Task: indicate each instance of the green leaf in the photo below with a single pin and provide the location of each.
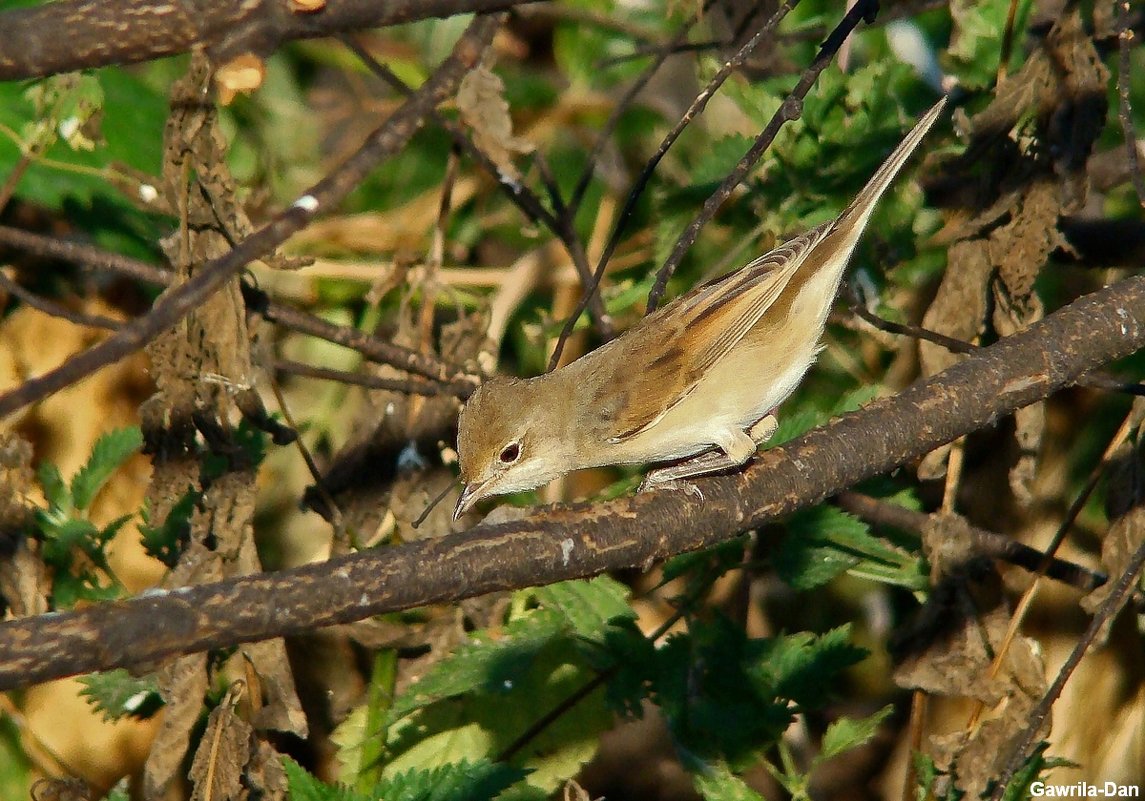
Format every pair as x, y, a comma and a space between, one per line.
118, 694
460, 781
717, 783
52, 483
362, 737
824, 541
800, 666
109, 452
976, 39
166, 542
588, 607
847, 733
65, 536
485, 663
304, 786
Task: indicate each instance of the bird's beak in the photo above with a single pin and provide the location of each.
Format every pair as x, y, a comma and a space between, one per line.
470, 494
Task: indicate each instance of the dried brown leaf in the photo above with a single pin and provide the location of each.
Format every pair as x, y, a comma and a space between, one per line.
1121, 541
222, 755
182, 683
265, 775
481, 101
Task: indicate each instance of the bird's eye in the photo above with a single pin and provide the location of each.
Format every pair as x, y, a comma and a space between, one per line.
511, 453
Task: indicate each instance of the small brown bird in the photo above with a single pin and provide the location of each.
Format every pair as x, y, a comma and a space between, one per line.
698, 380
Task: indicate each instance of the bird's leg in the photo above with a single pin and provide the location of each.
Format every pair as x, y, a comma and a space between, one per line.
734, 451
764, 428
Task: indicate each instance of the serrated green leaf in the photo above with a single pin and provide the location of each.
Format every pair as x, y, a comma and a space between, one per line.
482, 723
717, 783
305, 786
801, 666
847, 733
52, 483
460, 781
824, 541
65, 535
484, 663
794, 424
634, 661
587, 606
107, 455
117, 694
166, 542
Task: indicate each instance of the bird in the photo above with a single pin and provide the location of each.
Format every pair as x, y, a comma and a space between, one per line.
696, 383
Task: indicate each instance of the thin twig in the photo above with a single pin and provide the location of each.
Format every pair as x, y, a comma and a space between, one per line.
662, 52
1125, 35
521, 196
989, 543
1094, 380
1108, 609
626, 211
58, 310
258, 302
790, 109
411, 386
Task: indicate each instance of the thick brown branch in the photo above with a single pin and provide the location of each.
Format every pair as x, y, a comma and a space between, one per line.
583, 540
382, 143
81, 34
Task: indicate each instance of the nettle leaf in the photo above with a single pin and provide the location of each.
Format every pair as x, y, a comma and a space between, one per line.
484, 663
588, 607
117, 694
718, 700
66, 535
107, 455
460, 781
799, 666
634, 659
847, 733
806, 417
52, 483
166, 541
824, 541
716, 783
484, 722
305, 786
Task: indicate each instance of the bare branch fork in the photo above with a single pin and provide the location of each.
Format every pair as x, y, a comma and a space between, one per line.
384, 142
566, 542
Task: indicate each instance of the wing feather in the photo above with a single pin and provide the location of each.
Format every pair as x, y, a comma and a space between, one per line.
673, 349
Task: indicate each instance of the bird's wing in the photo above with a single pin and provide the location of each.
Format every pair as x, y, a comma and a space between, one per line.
673, 349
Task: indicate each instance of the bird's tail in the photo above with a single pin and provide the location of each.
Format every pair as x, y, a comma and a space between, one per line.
857, 214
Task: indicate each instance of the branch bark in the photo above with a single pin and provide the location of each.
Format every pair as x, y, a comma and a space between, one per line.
81, 34
582, 540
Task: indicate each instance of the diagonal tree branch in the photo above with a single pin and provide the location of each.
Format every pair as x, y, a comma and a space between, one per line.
81, 34
382, 143
582, 540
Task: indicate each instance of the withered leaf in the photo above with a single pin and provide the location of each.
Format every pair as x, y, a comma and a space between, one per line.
481, 101
222, 756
